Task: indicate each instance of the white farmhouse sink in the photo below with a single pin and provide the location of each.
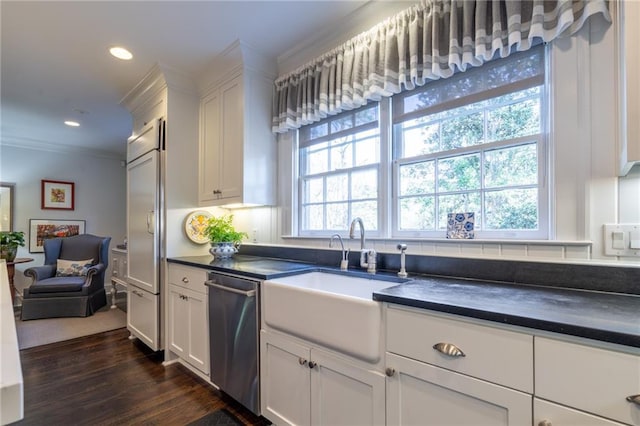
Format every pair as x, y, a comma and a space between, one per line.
332, 310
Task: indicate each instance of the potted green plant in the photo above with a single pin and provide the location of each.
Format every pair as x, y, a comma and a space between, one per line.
223, 236
9, 242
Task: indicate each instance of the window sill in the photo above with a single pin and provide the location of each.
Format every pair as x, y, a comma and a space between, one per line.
584, 243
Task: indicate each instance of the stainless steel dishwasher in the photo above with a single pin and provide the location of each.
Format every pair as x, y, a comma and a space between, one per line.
234, 328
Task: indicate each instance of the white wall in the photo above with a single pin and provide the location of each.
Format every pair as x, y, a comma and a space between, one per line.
586, 191
100, 185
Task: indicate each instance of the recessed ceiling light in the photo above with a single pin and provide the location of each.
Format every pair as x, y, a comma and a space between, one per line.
72, 123
121, 53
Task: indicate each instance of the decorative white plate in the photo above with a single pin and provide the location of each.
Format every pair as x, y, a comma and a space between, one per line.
194, 226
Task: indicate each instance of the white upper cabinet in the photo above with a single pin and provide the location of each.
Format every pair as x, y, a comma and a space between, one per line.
237, 157
628, 32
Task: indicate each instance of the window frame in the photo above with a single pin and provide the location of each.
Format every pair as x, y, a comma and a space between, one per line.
301, 179
388, 168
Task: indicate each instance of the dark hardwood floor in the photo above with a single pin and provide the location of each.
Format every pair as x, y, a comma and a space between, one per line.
107, 379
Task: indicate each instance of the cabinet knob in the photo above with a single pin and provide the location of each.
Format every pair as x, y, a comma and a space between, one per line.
302, 361
448, 349
634, 398
390, 372
312, 365
544, 423
217, 191
185, 280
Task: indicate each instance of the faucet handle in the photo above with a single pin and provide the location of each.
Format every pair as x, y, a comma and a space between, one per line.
402, 247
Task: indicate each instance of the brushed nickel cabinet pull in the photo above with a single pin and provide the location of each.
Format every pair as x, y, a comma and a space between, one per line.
302, 361
634, 398
312, 365
448, 349
390, 372
185, 280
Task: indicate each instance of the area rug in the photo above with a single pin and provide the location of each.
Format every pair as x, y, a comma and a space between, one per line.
220, 417
49, 330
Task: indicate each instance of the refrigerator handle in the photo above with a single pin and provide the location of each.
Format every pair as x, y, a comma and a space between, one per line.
150, 221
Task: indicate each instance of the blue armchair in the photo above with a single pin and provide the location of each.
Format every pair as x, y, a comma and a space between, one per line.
71, 292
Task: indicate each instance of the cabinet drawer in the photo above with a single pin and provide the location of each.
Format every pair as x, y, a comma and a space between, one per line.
187, 277
143, 316
499, 356
590, 379
554, 414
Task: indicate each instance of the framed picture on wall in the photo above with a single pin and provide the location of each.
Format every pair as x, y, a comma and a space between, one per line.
43, 229
6, 206
57, 195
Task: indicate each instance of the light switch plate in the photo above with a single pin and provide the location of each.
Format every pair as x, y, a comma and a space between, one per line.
620, 238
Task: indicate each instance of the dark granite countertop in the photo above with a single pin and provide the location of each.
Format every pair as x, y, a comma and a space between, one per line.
248, 266
605, 316
609, 317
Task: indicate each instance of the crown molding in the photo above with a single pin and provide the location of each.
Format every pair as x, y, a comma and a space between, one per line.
50, 146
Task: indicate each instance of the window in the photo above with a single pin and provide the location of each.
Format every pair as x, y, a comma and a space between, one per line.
470, 143
339, 172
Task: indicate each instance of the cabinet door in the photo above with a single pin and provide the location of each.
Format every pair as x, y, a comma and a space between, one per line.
210, 147
284, 380
548, 414
230, 162
188, 326
594, 380
178, 321
197, 330
221, 144
422, 394
345, 394
627, 17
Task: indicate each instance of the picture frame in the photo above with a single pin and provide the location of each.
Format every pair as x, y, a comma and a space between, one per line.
57, 195
43, 229
6, 206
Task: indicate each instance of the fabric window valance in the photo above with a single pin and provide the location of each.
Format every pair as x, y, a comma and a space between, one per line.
431, 40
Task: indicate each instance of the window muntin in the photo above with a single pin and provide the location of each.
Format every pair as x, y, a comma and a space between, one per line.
339, 172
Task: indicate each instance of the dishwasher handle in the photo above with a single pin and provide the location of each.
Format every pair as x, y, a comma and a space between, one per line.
250, 293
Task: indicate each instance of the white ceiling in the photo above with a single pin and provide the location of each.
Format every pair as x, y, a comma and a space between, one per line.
55, 64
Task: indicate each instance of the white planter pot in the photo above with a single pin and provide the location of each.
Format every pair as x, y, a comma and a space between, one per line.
223, 250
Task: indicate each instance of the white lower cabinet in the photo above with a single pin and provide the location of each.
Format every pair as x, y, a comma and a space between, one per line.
305, 385
188, 323
444, 369
423, 394
548, 414
447, 371
595, 380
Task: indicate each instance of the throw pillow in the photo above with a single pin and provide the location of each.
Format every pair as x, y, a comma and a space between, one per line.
73, 268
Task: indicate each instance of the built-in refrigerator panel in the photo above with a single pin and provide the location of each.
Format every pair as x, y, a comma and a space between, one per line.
144, 233
147, 140
143, 245
143, 315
